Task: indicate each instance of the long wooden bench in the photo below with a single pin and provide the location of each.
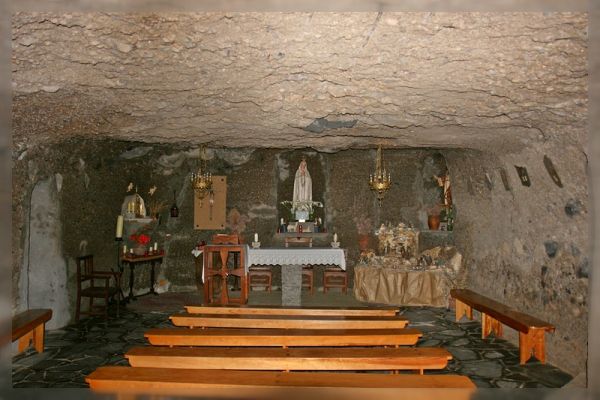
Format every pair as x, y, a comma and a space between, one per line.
287, 321
206, 382
494, 314
292, 359
29, 326
282, 337
291, 310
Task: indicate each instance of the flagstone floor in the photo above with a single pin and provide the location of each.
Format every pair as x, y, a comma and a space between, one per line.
78, 349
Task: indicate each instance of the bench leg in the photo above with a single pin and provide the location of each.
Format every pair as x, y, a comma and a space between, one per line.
532, 342
463, 309
38, 337
490, 325
24, 341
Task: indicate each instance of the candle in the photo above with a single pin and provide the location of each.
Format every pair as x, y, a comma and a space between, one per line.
131, 251
335, 237
155, 246
256, 237
125, 249
281, 221
119, 233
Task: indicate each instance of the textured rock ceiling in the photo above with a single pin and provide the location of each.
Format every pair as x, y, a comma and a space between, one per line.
326, 80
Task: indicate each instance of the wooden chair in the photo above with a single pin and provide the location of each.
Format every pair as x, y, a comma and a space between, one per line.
86, 272
308, 278
260, 277
335, 277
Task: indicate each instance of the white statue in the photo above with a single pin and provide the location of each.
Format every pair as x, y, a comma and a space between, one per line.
302, 184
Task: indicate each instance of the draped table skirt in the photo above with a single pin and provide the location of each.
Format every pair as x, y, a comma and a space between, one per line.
401, 287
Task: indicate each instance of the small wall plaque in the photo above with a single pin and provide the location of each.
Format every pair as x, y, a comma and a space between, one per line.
523, 176
552, 171
504, 177
488, 181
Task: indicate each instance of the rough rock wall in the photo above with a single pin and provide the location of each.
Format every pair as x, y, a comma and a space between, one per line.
325, 80
528, 247
94, 176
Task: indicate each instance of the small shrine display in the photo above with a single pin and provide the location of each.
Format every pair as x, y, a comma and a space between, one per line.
400, 275
302, 208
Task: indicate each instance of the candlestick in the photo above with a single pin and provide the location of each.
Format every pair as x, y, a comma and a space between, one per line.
335, 237
131, 251
124, 249
155, 246
119, 233
256, 237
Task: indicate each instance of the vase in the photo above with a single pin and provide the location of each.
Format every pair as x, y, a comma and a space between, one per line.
139, 250
433, 221
363, 242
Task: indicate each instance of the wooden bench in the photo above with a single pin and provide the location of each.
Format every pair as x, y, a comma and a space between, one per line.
30, 326
253, 384
291, 310
494, 314
293, 359
287, 321
282, 337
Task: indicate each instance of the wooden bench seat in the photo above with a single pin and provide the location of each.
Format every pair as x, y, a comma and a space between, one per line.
240, 383
291, 310
30, 326
282, 337
494, 314
292, 359
287, 321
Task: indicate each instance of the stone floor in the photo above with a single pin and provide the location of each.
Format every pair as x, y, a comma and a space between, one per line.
78, 349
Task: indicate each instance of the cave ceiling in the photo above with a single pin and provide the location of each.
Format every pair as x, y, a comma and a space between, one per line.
324, 80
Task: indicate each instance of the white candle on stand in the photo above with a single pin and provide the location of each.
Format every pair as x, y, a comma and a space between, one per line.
335, 237
155, 246
119, 233
256, 237
124, 249
130, 251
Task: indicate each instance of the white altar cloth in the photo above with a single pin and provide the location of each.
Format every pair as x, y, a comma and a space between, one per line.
296, 256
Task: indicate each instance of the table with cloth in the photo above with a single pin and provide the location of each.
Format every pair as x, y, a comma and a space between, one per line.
398, 286
291, 261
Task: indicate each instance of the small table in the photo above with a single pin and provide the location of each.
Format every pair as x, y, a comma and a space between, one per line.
132, 261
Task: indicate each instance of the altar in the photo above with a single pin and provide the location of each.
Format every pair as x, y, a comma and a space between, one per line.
291, 261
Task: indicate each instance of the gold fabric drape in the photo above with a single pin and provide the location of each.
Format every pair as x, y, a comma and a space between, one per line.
401, 287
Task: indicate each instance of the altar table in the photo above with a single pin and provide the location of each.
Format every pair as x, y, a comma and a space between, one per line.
291, 261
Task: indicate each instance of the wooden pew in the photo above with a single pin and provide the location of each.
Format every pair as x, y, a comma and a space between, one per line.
293, 359
287, 321
292, 310
282, 337
30, 326
494, 314
254, 384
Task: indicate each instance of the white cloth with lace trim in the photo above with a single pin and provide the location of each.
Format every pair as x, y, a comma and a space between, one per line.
296, 256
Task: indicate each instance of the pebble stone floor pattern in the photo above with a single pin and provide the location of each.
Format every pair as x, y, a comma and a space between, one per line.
78, 349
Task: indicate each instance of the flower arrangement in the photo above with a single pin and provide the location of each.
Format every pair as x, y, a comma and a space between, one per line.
141, 239
364, 224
